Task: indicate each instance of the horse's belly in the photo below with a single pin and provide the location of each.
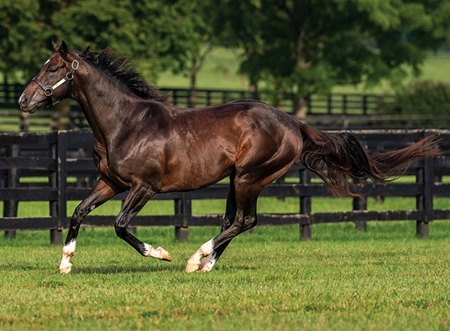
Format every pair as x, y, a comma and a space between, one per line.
195, 173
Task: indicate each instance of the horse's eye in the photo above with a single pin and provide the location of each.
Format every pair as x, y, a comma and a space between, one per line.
53, 69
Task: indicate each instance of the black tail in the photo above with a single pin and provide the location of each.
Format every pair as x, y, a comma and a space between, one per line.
337, 157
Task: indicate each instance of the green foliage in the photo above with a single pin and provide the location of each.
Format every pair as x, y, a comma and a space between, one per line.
166, 34
302, 47
21, 30
293, 47
423, 97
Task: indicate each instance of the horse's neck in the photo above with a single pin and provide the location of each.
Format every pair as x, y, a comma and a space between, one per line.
104, 104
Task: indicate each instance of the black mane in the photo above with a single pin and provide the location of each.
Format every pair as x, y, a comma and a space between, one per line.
122, 70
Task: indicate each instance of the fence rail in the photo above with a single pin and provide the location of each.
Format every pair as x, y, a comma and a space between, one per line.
336, 103
57, 167
344, 111
354, 108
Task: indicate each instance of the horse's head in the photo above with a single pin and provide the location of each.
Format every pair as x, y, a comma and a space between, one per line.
53, 82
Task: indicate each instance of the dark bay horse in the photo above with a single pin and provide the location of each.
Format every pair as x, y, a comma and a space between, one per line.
145, 146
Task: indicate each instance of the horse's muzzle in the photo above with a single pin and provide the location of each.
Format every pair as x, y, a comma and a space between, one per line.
29, 106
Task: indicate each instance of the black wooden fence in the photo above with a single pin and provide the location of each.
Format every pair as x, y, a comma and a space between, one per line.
337, 110
57, 167
336, 103
333, 110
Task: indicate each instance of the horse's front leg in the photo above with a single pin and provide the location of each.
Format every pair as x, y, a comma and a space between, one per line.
100, 193
136, 199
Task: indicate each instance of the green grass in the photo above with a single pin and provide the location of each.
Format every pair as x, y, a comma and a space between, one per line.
343, 279
221, 71
217, 206
384, 279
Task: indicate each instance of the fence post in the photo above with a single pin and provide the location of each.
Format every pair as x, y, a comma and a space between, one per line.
305, 206
183, 207
360, 203
365, 105
344, 104
208, 98
224, 96
329, 104
309, 105
175, 98
58, 182
24, 125
424, 201
12, 180
191, 98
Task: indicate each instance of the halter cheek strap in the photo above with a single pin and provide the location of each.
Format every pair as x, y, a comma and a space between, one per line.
48, 90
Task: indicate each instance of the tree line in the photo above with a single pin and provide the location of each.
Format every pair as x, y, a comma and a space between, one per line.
293, 48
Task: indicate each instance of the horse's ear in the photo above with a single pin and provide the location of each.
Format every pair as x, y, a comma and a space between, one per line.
54, 45
63, 49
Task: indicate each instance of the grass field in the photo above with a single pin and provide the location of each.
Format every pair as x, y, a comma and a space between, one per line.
221, 71
384, 279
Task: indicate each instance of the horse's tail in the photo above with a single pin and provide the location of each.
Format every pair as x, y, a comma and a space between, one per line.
337, 157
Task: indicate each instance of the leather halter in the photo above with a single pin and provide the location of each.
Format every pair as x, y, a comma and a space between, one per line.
48, 89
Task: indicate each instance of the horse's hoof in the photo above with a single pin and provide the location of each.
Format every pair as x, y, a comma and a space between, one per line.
165, 256
207, 267
192, 267
63, 270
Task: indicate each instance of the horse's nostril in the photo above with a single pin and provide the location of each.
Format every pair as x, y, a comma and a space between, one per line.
23, 101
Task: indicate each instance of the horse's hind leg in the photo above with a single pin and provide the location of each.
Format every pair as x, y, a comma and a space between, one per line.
135, 200
100, 193
230, 214
249, 182
245, 218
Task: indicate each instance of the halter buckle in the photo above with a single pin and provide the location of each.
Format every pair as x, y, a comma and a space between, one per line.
75, 65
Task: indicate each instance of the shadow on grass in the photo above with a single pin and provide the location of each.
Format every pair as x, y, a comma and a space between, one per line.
125, 269
105, 270
17, 267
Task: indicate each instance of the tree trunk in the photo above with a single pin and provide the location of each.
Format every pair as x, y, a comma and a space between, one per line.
301, 101
253, 87
300, 104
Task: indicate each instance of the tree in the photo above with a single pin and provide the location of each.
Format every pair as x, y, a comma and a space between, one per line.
182, 35
301, 47
158, 35
20, 48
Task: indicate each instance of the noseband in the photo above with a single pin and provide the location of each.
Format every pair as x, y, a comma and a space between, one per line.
48, 90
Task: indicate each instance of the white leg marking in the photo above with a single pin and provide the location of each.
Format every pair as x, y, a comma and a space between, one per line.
194, 261
207, 248
159, 253
68, 251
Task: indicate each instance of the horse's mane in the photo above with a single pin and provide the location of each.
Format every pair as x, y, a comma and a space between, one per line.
123, 71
